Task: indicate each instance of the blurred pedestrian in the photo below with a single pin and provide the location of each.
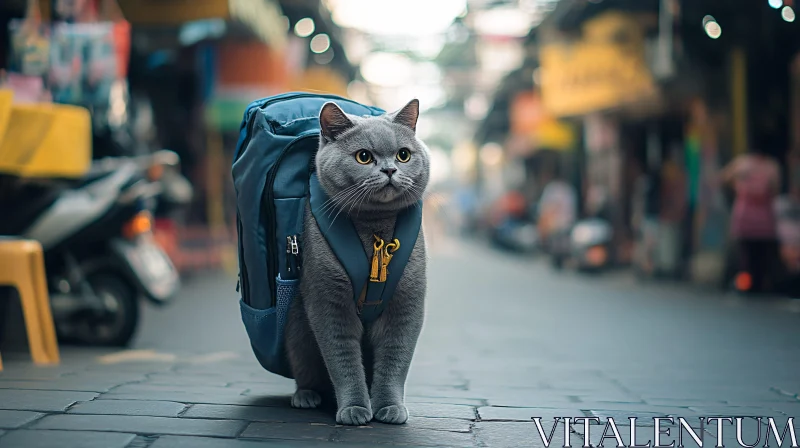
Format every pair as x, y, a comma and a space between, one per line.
755, 178
557, 208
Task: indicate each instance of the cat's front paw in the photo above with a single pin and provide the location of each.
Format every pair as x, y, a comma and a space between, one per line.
396, 414
354, 415
306, 399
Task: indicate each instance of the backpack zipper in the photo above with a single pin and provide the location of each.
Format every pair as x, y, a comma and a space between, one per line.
268, 210
243, 278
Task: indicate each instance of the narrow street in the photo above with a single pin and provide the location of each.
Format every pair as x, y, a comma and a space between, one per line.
505, 339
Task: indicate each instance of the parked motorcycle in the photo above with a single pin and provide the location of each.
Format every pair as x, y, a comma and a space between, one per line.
518, 235
591, 244
100, 257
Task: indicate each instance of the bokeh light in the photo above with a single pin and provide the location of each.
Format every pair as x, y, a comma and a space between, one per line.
320, 43
304, 27
712, 28
788, 14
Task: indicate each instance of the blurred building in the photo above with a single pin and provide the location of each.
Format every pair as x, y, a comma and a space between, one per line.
185, 73
670, 91
643, 102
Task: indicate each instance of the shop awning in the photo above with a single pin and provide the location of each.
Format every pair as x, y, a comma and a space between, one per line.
263, 17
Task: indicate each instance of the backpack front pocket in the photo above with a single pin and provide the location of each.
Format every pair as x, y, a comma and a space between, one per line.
266, 327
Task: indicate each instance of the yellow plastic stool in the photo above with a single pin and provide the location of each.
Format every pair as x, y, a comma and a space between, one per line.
22, 266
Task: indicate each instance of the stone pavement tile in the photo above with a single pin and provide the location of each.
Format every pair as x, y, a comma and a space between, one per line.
290, 431
377, 433
65, 383
266, 389
145, 368
260, 414
188, 388
439, 424
622, 418
436, 410
207, 442
205, 381
790, 388
526, 402
65, 439
446, 400
142, 425
446, 392
205, 378
679, 402
670, 409
262, 380
786, 408
726, 396
518, 434
609, 397
41, 400
495, 413
193, 397
30, 372
229, 369
15, 419
129, 407
735, 411
519, 397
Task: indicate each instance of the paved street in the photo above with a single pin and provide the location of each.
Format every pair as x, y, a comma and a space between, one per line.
505, 340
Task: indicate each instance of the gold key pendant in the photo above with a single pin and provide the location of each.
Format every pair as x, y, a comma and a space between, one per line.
377, 248
388, 253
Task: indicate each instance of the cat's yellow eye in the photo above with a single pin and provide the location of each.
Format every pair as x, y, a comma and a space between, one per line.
403, 155
364, 157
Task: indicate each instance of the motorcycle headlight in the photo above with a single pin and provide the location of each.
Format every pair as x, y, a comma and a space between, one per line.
582, 235
140, 224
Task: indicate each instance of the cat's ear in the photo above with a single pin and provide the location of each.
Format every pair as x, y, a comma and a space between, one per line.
333, 121
408, 115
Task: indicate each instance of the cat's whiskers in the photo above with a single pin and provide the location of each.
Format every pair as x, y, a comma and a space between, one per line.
358, 201
344, 199
350, 199
332, 201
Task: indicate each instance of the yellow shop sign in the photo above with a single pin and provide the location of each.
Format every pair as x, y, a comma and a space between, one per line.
605, 69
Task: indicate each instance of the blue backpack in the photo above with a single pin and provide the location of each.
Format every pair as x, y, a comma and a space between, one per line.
274, 179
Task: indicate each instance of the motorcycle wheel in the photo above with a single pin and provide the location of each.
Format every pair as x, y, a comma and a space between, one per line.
117, 326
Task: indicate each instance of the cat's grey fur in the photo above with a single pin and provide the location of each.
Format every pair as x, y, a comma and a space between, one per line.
328, 347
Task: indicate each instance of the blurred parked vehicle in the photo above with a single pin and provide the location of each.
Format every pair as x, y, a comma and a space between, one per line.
510, 226
557, 211
591, 244
99, 253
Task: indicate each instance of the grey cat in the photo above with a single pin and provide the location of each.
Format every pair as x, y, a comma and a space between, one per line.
371, 168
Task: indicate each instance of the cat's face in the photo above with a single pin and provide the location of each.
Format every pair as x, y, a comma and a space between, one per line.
372, 163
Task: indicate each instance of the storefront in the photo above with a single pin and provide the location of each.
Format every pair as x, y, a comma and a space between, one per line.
540, 143
599, 80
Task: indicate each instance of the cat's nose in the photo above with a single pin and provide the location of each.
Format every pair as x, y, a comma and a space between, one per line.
388, 171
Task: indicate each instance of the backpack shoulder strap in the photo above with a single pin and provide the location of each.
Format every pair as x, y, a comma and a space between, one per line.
341, 236
370, 297
406, 230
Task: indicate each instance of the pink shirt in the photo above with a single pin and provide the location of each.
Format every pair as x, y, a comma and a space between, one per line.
755, 182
